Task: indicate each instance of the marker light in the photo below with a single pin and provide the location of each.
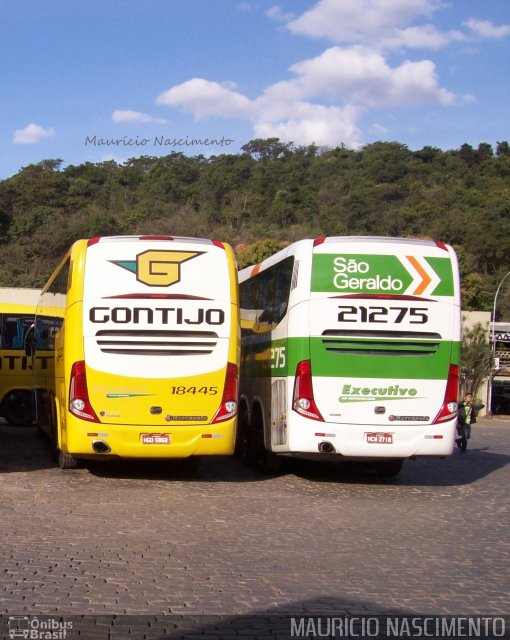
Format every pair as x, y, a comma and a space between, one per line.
228, 406
303, 402
79, 404
448, 410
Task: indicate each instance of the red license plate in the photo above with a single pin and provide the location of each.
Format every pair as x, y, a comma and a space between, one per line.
380, 438
155, 438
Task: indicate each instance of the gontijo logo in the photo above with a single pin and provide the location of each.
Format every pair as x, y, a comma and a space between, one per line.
157, 268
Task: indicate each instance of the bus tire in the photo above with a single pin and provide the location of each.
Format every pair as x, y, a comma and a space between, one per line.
266, 461
18, 408
241, 448
66, 461
389, 468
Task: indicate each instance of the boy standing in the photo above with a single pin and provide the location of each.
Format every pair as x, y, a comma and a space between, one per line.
467, 417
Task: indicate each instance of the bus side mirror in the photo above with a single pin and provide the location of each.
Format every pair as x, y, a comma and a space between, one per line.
29, 340
247, 326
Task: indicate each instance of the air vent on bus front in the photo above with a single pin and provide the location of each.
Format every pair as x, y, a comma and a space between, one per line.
382, 343
157, 343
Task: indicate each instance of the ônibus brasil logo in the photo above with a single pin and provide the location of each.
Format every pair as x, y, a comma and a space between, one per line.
157, 268
38, 628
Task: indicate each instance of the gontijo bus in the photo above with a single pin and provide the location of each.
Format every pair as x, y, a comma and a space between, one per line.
350, 349
147, 356
17, 312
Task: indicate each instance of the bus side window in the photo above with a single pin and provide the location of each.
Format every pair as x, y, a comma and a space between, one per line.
42, 339
45, 331
17, 341
14, 329
282, 289
10, 332
265, 282
265, 298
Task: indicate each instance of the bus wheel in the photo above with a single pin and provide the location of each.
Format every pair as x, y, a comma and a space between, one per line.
241, 448
266, 461
18, 408
65, 461
389, 468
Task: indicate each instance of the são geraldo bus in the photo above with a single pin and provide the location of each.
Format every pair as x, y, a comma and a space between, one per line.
148, 353
350, 350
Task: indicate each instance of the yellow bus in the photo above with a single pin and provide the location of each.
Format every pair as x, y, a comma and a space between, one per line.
147, 357
17, 312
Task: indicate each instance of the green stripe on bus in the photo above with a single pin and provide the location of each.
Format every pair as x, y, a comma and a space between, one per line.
280, 358
443, 268
381, 361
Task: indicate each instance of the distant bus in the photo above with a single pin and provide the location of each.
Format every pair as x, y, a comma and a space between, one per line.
148, 353
350, 351
17, 312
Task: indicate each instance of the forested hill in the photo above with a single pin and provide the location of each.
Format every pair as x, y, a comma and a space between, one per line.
273, 193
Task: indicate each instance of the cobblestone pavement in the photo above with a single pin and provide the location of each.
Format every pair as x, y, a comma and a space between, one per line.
131, 538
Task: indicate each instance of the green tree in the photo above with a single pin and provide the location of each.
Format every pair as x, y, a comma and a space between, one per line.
257, 251
272, 190
476, 358
268, 149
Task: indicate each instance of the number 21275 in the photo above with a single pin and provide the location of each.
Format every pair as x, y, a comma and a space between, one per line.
414, 315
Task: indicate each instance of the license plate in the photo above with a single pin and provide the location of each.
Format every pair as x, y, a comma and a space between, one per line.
155, 438
380, 438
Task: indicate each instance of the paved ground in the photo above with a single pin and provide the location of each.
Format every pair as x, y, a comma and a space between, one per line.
141, 539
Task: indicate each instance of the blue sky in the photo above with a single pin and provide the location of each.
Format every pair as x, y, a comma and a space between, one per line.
154, 76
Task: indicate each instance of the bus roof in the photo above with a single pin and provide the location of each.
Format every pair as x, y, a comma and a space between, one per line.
347, 242
19, 296
103, 239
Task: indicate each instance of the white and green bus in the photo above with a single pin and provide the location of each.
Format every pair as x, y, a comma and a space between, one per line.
350, 351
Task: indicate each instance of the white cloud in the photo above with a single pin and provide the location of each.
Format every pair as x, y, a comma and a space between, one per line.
276, 13
486, 29
324, 97
307, 123
387, 22
353, 78
361, 76
424, 37
127, 115
279, 112
206, 99
32, 134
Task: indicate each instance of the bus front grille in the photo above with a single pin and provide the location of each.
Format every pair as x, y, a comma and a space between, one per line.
381, 343
157, 343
